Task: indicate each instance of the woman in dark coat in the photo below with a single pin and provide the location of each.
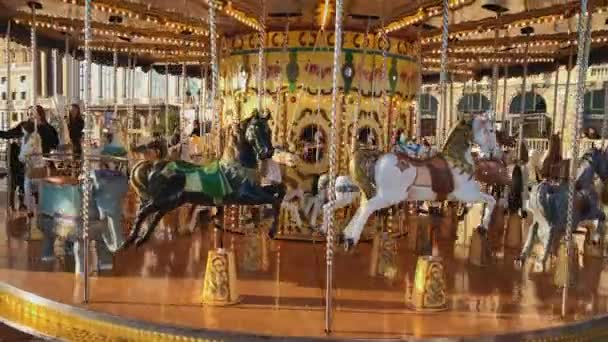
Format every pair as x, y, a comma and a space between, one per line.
75, 128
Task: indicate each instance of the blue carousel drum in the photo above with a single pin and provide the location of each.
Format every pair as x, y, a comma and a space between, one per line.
61, 202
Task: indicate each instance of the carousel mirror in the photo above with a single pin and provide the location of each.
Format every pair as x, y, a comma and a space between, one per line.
367, 137
312, 143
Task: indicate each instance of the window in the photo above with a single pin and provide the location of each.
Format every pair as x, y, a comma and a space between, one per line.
3, 96
534, 104
473, 103
594, 102
23, 95
3, 80
14, 95
428, 105
22, 79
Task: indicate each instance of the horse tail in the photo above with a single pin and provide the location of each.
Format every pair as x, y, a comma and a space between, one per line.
139, 177
361, 169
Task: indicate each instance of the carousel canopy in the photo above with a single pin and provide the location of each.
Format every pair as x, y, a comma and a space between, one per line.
482, 32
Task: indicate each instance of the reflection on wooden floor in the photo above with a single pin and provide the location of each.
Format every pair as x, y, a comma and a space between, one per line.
162, 283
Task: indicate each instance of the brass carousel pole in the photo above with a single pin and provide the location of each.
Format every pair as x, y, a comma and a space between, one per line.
527, 31
430, 268
202, 100
7, 118
504, 96
115, 87
443, 75
333, 141
182, 120
566, 95
218, 255
214, 73
167, 133
418, 123
33, 232
86, 146
605, 117
555, 93
582, 60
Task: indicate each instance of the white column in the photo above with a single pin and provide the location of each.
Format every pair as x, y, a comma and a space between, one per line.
100, 80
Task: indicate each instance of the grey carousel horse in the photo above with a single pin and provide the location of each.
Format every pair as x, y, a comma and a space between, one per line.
60, 215
549, 203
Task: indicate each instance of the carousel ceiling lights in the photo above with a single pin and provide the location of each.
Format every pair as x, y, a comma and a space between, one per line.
547, 15
148, 14
111, 30
423, 14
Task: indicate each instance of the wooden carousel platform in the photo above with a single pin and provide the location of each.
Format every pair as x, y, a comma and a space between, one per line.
154, 294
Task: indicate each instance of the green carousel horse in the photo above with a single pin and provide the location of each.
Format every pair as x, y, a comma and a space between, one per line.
165, 185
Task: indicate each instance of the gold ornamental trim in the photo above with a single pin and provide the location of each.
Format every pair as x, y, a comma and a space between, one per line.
42, 317
322, 41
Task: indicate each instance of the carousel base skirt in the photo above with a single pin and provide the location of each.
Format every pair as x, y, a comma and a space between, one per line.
155, 294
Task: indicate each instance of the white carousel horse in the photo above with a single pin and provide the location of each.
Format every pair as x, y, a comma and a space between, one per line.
31, 156
271, 174
396, 179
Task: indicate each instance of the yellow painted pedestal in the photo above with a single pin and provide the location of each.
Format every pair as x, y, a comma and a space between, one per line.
429, 285
567, 265
384, 256
255, 253
219, 287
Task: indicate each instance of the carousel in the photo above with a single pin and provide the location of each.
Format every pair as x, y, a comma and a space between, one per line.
247, 155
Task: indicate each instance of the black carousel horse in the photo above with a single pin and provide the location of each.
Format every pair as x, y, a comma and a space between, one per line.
165, 185
158, 144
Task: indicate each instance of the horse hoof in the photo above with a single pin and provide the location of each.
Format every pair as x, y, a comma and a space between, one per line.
519, 263
481, 230
271, 234
348, 244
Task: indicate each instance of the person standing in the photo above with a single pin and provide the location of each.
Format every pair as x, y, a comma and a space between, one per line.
48, 134
75, 128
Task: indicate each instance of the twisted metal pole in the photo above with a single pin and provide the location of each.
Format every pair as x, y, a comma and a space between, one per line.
262, 61
418, 123
567, 94
214, 74
605, 117
7, 117
34, 62
333, 141
555, 93
522, 105
582, 60
115, 86
443, 75
504, 96
167, 133
86, 184
184, 136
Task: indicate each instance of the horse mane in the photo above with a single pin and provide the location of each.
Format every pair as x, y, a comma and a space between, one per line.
554, 155
231, 136
457, 141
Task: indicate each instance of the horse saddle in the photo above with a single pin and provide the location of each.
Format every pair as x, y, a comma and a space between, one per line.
434, 171
492, 171
208, 179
